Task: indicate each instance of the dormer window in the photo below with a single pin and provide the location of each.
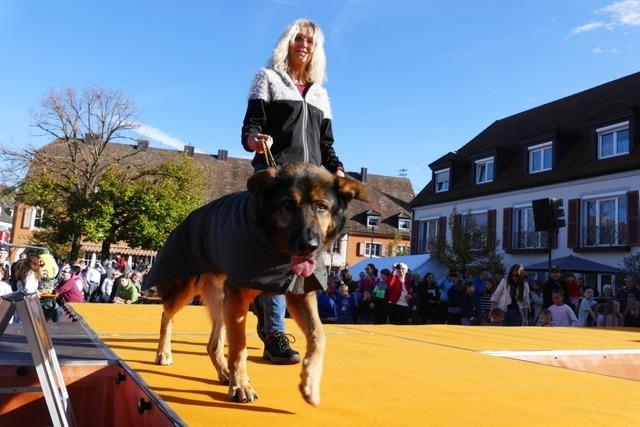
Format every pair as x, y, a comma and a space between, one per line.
373, 221
540, 157
442, 180
484, 170
613, 140
404, 224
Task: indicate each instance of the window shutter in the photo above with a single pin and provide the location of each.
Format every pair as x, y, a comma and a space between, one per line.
26, 217
573, 228
633, 219
507, 217
360, 249
442, 231
415, 227
491, 229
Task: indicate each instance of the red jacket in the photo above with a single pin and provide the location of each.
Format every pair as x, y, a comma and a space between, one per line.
69, 291
395, 288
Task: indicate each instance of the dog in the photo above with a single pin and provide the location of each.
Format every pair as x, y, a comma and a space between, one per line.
268, 239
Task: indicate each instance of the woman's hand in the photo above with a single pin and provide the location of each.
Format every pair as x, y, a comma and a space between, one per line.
255, 140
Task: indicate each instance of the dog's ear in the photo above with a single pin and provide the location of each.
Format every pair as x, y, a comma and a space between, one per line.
262, 180
349, 189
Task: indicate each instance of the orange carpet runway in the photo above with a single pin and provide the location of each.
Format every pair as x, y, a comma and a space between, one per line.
388, 375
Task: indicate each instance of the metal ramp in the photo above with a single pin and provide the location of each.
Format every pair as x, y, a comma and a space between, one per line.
44, 355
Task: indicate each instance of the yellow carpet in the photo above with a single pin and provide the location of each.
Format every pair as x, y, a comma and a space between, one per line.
381, 375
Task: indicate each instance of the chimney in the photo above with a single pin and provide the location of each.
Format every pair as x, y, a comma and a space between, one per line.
143, 144
223, 155
363, 175
188, 150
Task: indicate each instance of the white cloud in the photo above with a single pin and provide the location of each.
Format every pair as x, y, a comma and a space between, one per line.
599, 50
586, 28
624, 13
157, 135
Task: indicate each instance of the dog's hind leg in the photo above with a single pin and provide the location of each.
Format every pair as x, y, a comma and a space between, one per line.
236, 306
184, 292
213, 294
304, 309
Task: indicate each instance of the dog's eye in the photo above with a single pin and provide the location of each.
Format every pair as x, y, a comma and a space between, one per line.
289, 204
321, 207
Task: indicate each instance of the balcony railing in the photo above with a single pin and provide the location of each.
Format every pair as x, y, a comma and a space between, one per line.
605, 236
530, 240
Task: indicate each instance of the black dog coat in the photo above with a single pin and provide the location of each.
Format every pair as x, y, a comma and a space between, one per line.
223, 237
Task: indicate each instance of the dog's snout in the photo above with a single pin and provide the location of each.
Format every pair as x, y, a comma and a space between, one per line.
308, 242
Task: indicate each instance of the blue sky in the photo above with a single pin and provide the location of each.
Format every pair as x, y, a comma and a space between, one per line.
409, 80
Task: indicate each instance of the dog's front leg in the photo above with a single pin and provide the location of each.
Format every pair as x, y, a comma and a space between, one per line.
236, 306
304, 309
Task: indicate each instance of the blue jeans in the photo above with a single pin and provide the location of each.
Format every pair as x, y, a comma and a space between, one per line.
513, 317
274, 307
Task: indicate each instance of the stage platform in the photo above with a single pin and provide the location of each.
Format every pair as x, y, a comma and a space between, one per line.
393, 376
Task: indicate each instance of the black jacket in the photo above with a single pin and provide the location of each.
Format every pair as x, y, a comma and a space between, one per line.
223, 236
300, 126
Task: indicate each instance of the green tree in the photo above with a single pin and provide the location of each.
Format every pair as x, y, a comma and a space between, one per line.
468, 251
631, 264
143, 211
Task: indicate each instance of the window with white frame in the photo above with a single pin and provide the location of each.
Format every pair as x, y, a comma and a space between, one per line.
38, 215
613, 140
540, 157
372, 249
605, 221
404, 224
442, 180
525, 234
336, 246
484, 170
427, 234
373, 221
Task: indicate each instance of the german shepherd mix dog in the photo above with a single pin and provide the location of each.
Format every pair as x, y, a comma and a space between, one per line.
269, 239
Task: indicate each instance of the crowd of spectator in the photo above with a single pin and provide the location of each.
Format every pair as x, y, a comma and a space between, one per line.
397, 296
393, 295
112, 281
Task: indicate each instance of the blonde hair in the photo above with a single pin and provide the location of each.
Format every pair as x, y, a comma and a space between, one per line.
316, 68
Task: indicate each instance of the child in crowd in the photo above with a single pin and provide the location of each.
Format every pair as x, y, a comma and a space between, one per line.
496, 316
609, 313
366, 308
326, 307
485, 300
632, 318
537, 300
468, 310
544, 318
379, 297
561, 313
586, 315
345, 306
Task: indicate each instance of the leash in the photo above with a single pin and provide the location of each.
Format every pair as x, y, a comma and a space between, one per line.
271, 162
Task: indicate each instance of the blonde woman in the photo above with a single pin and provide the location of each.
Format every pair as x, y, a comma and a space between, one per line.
289, 111
288, 107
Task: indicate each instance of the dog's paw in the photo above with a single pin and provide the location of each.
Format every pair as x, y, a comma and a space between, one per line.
242, 393
310, 394
164, 358
223, 376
